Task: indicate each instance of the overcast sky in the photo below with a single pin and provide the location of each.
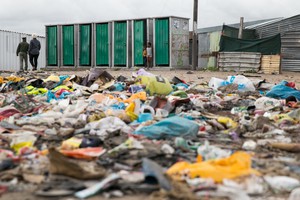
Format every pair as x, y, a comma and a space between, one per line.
30, 16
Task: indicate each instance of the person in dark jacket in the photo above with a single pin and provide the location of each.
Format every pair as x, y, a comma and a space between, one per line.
34, 52
22, 52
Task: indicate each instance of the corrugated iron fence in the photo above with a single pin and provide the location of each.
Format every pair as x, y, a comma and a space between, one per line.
8, 46
239, 61
289, 29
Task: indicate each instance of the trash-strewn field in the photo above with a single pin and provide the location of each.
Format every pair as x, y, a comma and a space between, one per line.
158, 134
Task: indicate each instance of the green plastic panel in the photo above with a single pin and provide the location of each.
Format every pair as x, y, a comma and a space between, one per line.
68, 45
85, 45
139, 41
120, 46
102, 45
162, 41
52, 45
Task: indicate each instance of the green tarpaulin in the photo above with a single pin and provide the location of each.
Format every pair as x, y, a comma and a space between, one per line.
234, 32
265, 46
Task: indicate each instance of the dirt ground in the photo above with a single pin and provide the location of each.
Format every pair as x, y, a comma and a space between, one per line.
196, 76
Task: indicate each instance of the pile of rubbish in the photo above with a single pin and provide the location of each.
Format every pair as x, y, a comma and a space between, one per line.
122, 136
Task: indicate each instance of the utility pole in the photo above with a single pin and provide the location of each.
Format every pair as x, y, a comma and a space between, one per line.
241, 28
195, 39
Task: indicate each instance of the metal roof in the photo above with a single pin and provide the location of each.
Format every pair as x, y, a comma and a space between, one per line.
236, 25
265, 23
20, 33
282, 26
117, 20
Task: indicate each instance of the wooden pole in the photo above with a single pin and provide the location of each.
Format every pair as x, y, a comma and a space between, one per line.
195, 39
241, 27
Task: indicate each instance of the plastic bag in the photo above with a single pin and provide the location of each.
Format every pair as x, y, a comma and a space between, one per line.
170, 127
215, 83
244, 84
161, 113
155, 85
227, 121
266, 103
84, 153
107, 125
237, 165
143, 117
282, 91
142, 72
23, 141
209, 152
149, 108
282, 183
295, 194
249, 145
71, 143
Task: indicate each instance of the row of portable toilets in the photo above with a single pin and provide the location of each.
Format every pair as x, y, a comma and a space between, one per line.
118, 43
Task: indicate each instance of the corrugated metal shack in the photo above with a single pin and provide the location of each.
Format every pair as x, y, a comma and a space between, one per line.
289, 28
209, 40
8, 45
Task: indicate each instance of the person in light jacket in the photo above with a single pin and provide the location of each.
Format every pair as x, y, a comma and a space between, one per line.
34, 52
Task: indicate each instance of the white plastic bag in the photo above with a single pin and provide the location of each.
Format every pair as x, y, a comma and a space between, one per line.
266, 103
146, 107
215, 83
244, 84
249, 145
295, 194
282, 183
209, 152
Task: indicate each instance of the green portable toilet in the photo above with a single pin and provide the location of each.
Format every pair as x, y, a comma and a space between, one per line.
102, 44
171, 43
139, 41
68, 45
85, 35
52, 53
142, 33
162, 42
120, 43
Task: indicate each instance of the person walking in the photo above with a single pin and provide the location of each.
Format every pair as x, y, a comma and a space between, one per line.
34, 52
22, 52
149, 55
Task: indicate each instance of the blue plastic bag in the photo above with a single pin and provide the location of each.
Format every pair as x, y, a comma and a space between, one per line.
182, 85
170, 127
281, 91
61, 78
120, 106
135, 89
50, 96
119, 87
